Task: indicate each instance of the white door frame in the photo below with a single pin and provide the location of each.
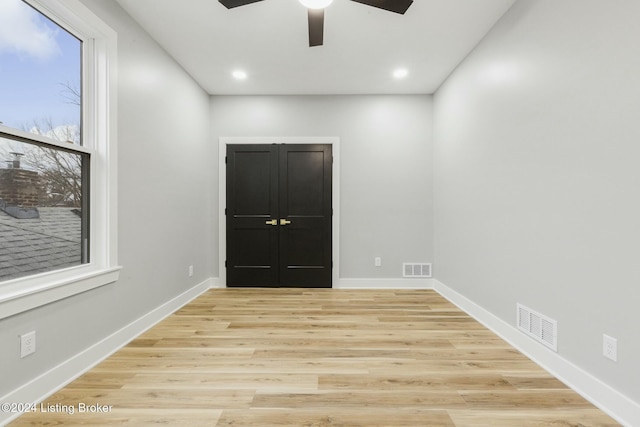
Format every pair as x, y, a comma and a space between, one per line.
335, 191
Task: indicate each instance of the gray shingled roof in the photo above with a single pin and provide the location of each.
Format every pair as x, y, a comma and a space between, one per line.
30, 246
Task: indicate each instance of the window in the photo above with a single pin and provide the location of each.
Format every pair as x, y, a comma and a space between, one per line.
57, 152
41, 74
44, 206
43, 225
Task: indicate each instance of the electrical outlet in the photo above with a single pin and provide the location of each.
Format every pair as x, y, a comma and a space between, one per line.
377, 261
610, 347
27, 344
191, 271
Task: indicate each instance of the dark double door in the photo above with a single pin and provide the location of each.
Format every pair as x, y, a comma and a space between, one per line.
279, 215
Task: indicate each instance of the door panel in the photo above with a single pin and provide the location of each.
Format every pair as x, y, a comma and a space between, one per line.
304, 183
252, 200
305, 201
252, 184
253, 247
288, 183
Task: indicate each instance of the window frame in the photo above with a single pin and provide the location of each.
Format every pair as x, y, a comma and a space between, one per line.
99, 140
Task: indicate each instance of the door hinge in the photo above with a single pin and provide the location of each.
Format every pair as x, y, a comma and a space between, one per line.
225, 211
225, 263
226, 159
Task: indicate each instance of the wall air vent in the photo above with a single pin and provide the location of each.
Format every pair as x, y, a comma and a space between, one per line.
410, 269
538, 326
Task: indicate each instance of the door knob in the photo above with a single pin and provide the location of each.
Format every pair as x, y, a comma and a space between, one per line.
284, 222
272, 222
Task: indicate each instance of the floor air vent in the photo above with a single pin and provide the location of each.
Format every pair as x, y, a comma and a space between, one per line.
410, 269
538, 326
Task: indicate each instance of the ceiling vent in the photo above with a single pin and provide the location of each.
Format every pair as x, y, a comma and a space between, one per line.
538, 326
410, 269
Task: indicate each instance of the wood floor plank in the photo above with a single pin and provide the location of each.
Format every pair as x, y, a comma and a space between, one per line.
440, 399
127, 417
531, 418
326, 357
437, 352
524, 382
224, 381
539, 399
103, 381
416, 382
371, 417
150, 398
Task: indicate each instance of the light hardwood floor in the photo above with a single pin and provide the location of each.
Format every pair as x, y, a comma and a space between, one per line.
292, 357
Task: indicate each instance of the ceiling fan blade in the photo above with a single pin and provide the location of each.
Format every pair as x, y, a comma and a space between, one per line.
316, 27
230, 4
397, 6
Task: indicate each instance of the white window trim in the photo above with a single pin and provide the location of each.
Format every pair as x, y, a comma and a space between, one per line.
100, 139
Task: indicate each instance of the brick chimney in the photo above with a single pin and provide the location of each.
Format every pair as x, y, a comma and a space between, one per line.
19, 190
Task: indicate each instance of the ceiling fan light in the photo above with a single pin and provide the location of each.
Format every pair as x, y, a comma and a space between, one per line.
315, 4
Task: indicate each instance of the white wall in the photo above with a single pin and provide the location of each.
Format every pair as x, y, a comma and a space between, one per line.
165, 183
537, 176
386, 167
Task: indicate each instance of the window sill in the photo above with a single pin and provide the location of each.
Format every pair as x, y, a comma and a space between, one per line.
24, 297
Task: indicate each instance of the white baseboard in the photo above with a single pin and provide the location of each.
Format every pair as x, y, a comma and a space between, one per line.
384, 284
615, 404
48, 383
363, 283
216, 283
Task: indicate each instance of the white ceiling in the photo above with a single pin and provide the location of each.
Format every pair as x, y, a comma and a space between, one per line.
362, 44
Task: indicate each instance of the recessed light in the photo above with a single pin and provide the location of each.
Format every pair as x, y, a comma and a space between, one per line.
400, 73
239, 74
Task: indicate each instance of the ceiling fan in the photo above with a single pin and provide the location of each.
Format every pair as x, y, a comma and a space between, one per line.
316, 12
